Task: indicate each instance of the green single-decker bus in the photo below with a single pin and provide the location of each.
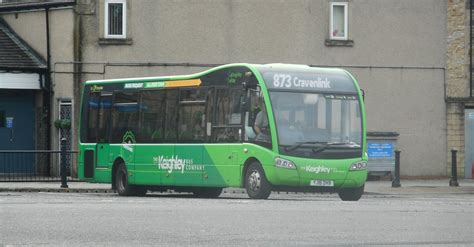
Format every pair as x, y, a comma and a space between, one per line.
270, 127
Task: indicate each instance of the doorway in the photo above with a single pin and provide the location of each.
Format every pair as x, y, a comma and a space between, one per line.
468, 142
17, 128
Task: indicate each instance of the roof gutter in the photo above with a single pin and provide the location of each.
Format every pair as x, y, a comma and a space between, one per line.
23, 70
20, 6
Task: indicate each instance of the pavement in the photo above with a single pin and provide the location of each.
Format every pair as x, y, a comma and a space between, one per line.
408, 187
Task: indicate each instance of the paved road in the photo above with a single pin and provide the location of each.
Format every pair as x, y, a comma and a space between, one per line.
233, 219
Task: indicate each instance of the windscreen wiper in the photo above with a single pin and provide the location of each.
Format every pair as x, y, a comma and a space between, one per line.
299, 144
321, 148
328, 144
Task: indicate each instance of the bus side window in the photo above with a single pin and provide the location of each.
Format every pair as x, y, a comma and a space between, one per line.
98, 117
151, 120
103, 124
124, 115
209, 113
171, 127
93, 109
191, 115
227, 126
257, 128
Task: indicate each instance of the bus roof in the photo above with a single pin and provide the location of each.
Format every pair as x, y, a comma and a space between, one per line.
172, 77
277, 76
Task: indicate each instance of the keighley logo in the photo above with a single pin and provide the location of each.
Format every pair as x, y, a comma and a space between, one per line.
174, 163
318, 169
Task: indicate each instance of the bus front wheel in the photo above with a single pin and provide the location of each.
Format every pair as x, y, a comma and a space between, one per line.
351, 194
256, 184
123, 187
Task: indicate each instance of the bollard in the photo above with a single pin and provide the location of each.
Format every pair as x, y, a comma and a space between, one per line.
454, 169
63, 164
396, 179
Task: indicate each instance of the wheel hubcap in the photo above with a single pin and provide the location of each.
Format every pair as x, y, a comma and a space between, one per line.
254, 181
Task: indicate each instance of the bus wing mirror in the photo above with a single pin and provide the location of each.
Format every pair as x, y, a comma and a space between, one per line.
363, 94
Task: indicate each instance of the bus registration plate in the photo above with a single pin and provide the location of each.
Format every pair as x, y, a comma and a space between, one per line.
323, 183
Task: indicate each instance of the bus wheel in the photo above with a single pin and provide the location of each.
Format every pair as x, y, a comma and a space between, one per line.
351, 194
256, 183
207, 192
122, 186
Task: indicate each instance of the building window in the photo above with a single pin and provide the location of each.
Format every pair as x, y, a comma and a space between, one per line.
338, 22
115, 19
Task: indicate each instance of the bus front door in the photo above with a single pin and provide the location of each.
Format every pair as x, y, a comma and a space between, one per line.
102, 169
102, 151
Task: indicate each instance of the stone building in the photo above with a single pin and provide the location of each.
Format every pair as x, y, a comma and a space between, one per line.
411, 57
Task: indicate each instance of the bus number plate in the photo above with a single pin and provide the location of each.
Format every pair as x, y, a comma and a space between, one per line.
323, 183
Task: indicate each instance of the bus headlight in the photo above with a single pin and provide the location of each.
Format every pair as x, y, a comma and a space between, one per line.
279, 162
359, 165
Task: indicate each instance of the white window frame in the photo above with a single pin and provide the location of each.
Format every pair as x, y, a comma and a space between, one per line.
331, 18
106, 19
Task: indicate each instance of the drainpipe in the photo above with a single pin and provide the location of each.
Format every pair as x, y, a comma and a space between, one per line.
49, 85
470, 49
77, 82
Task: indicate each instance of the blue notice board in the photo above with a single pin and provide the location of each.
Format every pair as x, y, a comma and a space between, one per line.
9, 123
380, 150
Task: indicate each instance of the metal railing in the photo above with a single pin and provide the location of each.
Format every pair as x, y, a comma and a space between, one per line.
34, 165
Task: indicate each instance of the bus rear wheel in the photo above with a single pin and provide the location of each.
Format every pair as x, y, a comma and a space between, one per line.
256, 184
207, 192
351, 194
123, 187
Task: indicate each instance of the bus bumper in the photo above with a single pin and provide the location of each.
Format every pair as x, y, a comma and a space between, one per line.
330, 176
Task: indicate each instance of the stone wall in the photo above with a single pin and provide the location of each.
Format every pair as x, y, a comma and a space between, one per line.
457, 62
